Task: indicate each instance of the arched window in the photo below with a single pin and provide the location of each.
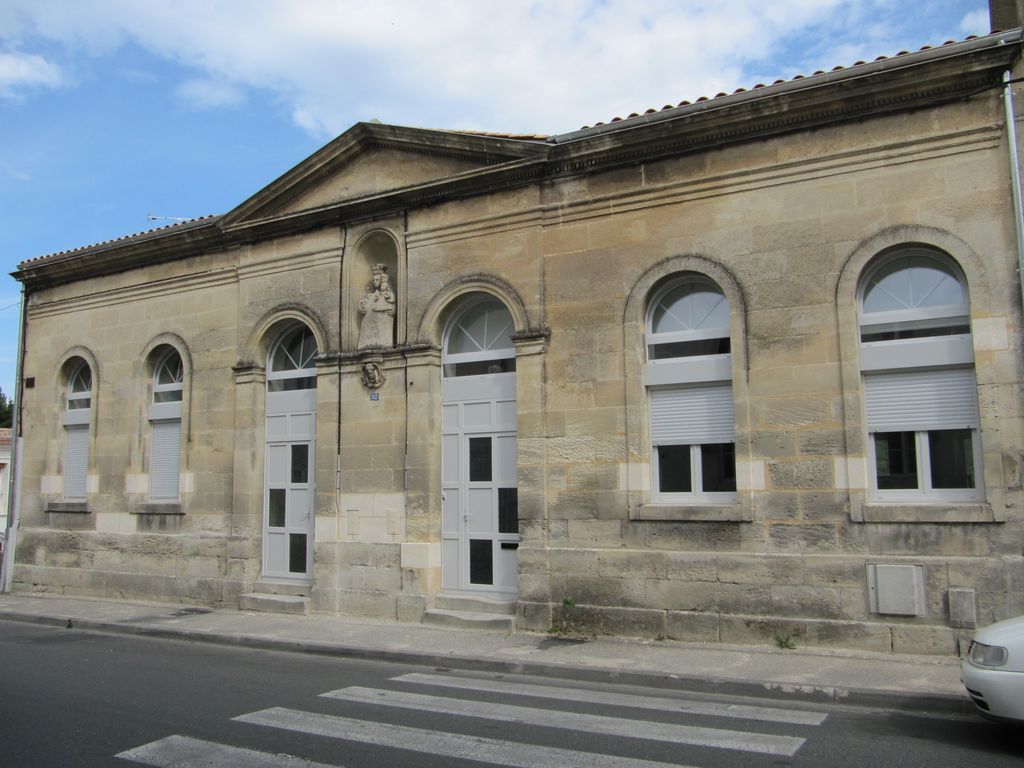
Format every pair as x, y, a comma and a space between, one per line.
77, 416
479, 340
165, 426
293, 361
168, 378
920, 392
80, 388
913, 295
689, 381
688, 319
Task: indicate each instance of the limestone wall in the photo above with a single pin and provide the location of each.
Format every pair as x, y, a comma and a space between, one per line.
785, 226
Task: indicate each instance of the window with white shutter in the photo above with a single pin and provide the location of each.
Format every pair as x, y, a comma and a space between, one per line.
920, 392
165, 427
77, 415
689, 382
164, 462
76, 460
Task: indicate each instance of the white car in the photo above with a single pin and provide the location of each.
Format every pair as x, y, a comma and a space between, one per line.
993, 671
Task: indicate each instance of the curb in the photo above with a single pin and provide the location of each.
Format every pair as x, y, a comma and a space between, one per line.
935, 703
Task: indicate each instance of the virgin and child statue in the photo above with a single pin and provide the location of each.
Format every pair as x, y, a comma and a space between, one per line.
378, 310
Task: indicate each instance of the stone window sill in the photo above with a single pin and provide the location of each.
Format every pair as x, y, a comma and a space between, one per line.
724, 513
158, 508
67, 507
928, 513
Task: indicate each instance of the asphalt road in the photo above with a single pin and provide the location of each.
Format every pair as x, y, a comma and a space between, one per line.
74, 698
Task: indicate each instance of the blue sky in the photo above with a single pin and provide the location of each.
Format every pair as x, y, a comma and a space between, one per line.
112, 110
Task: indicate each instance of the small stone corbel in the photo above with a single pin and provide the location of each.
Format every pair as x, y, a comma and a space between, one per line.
373, 375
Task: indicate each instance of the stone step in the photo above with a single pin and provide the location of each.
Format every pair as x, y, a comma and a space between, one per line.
271, 587
258, 601
475, 604
439, 617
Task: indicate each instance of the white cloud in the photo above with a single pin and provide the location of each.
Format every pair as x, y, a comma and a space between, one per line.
26, 70
16, 175
975, 23
205, 94
547, 65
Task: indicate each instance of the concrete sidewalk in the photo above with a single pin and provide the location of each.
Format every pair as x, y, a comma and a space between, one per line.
921, 683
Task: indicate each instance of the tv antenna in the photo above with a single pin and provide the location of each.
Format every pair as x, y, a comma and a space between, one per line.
151, 217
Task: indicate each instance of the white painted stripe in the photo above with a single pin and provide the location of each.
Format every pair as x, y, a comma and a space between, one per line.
183, 752
480, 749
615, 726
661, 704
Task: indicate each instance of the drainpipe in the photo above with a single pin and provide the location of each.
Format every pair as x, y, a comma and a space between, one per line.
1018, 207
14, 471
337, 434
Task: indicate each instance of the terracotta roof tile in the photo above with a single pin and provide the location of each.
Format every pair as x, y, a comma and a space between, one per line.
123, 239
818, 73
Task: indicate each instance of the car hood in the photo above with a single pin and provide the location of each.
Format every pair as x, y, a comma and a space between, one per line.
1002, 633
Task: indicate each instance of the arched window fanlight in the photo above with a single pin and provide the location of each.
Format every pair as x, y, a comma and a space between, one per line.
293, 361
688, 319
80, 388
914, 295
479, 340
168, 378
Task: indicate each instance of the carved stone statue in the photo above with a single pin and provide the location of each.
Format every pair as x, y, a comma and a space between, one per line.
378, 309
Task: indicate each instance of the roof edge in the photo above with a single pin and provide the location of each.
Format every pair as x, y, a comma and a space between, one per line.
994, 40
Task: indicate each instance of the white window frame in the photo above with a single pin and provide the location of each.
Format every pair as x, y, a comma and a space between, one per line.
79, 399
924, 490
686, 373
496, 351
929, 354
171, 391
303, 369
697, 495
165, 418
77, 419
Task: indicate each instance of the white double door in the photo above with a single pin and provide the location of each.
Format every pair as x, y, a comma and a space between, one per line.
479, 508
288, 494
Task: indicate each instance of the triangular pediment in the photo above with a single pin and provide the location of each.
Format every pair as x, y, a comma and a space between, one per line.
370, 160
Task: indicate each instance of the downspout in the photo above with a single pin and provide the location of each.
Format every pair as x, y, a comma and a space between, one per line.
14, 473
1018, 207
337, 434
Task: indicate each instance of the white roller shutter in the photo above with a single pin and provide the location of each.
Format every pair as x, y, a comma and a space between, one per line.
908, 401
164, 462
692, 415
76, 460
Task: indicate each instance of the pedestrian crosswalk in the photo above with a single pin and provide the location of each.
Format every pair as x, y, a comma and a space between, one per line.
691, 706
546, 718
481, 749
366, 717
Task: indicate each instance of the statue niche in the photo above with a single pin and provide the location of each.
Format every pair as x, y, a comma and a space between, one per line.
378, 310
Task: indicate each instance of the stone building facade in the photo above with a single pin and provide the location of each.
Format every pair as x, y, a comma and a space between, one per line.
736, 370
